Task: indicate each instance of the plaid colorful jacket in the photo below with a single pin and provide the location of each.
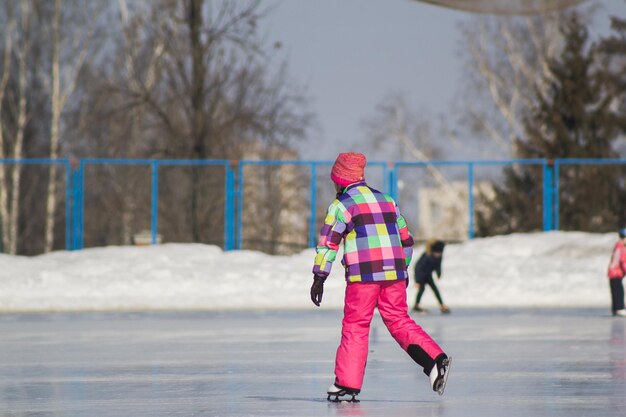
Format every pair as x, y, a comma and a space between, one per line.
377, 242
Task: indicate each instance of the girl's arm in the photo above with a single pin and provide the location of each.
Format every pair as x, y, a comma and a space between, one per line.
330, 238
405, 237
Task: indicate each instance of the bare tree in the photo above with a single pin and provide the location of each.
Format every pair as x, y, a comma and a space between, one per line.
411, 133
396, 123
4, 79
141, 79
21, 122
188, 80
17, 43
507, 61
66, 69
213, 95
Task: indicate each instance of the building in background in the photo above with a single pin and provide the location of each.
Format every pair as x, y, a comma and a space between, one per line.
443, 211
276, 206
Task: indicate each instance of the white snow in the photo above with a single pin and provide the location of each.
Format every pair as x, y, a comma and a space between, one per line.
538, 269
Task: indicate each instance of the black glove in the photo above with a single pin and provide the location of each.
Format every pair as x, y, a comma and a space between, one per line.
317, 289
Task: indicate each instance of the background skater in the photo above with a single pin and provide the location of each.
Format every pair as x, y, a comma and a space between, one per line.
429, 262
377, 250
617, 270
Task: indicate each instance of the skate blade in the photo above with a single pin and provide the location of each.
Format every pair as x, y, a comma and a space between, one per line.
441, 385
335, 399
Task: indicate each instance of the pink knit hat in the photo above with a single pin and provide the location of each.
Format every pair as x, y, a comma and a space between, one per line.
348, 168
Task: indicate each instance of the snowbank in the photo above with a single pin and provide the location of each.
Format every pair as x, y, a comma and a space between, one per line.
540, 269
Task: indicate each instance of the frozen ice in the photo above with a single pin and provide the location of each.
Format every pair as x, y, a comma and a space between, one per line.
235, 334
507, 362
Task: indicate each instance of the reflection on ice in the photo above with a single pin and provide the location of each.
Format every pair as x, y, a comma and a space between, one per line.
507, 363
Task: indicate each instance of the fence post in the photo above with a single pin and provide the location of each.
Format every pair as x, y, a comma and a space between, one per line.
229, 209
386, 176
548, 195
312, 209
77, 204
75, 207
470, 194
68, 205
555, 197
239, 192
393, 182
154, 218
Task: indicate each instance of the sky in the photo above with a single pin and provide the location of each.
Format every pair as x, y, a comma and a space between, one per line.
351, 54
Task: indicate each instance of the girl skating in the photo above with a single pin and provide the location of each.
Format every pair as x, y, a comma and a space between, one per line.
377, 251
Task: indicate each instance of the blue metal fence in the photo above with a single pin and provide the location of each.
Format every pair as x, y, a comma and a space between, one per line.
154, 164
235, 178
575, 161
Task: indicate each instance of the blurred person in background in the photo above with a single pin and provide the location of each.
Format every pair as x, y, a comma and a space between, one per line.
429, 262
617, 270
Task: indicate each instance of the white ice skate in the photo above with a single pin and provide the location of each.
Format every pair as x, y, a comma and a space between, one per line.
439, 375
620, 313
338, 395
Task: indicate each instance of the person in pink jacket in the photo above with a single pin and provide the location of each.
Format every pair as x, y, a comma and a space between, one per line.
617, 270
377, 249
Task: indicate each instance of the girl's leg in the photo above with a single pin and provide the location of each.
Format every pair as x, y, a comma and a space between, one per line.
409, 335
360, 301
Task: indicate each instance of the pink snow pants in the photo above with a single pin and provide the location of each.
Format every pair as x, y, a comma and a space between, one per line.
360, 301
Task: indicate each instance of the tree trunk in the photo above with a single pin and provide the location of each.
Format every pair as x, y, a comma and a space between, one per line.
55, 102
21, 126
4, 79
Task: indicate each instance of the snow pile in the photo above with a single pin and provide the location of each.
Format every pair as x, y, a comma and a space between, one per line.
540, 269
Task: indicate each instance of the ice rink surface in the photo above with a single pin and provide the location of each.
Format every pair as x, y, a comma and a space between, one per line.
517, 362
